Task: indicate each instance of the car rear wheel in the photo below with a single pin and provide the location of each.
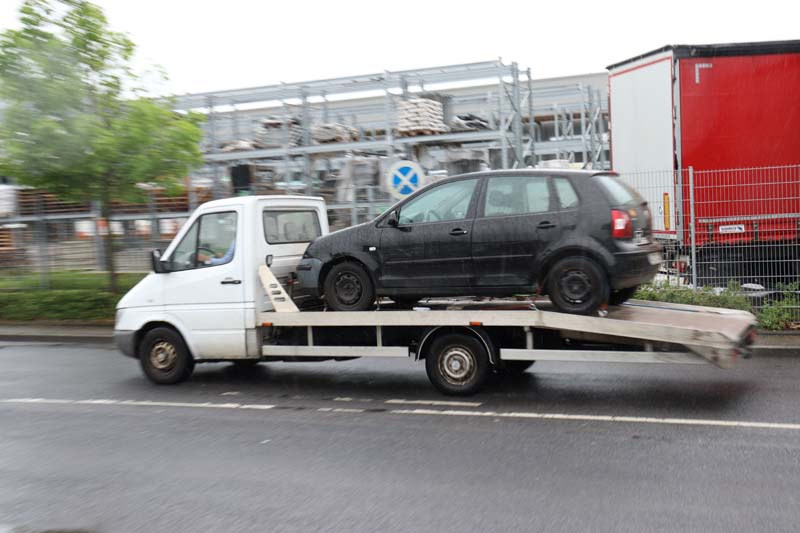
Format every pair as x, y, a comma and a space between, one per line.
348, 287
457, 364
622, 295
577, 285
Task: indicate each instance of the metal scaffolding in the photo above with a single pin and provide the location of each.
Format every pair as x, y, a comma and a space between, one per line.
528, 121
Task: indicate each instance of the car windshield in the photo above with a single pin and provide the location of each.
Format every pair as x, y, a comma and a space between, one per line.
619, 192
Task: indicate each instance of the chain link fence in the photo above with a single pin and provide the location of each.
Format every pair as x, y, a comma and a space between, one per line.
734, 228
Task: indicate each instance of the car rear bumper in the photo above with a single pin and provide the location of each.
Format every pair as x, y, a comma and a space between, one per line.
636, 267
308, 271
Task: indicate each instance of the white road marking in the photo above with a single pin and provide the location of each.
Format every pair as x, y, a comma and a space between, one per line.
139, 403
431, 412
604, 418
443, 403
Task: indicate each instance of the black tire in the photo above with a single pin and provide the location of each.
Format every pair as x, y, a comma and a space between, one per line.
457, 364
577, 285
164, 357
623, 295
516, 367
348, 287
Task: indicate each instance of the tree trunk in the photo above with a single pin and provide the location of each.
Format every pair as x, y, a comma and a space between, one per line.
108, 243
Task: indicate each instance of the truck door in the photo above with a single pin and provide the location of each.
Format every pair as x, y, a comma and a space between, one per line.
204, 288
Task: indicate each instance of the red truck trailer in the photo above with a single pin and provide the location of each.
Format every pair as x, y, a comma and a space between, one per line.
729, 112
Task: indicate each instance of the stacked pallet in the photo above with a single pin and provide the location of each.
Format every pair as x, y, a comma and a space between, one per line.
271, 133
333, 132
420, 116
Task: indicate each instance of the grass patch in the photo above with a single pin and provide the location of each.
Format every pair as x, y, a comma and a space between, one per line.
75, 296
80, 305
69, 280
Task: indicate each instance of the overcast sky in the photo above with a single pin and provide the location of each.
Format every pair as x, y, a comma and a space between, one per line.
207, 45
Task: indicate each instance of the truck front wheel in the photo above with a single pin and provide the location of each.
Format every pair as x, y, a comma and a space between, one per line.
164, 357
457, 364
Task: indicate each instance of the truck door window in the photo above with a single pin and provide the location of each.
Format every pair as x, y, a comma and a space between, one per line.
284, 227
209, 242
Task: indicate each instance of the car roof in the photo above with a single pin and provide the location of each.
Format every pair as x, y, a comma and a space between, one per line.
573, 173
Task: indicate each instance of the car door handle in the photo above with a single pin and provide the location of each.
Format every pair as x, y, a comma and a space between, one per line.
546, 224
230, 282
458, 231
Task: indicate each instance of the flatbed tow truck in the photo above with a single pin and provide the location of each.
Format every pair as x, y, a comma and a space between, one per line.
164, 323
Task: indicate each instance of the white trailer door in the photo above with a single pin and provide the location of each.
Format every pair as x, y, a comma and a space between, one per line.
204, 290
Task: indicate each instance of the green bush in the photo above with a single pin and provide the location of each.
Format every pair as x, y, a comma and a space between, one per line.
729, 298
73, 305
780, 312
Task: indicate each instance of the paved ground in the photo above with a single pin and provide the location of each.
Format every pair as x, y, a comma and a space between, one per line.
86, 442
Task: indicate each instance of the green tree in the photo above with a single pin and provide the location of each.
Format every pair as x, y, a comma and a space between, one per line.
75, 123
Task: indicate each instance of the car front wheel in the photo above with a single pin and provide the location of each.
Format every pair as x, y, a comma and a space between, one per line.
577, 285
348, 287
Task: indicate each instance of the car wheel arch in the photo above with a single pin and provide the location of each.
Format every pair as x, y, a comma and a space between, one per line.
328, 266
561, 253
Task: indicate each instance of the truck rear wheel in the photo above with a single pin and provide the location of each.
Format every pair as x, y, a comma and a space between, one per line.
457, 364
164, 357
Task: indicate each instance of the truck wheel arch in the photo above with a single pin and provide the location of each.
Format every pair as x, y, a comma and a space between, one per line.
479, 333
141, 332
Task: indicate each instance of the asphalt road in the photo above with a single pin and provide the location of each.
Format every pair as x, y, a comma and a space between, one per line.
86, 443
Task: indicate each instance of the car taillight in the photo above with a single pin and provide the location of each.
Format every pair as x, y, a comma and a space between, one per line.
621, 225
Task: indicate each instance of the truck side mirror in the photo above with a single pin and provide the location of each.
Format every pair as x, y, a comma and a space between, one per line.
393, 219
156, 263
268, 260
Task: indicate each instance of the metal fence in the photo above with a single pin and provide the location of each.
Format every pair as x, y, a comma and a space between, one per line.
734, 229
718, 227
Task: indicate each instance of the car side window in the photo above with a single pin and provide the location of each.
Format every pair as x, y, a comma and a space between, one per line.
567, 197
446, 202
516, 195
211, 241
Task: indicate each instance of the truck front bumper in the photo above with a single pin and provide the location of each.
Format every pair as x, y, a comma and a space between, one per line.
125, 341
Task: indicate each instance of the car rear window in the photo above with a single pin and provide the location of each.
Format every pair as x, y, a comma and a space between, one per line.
619, 192
283, 227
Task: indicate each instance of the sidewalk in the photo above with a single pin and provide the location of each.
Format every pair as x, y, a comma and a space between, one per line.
49, 333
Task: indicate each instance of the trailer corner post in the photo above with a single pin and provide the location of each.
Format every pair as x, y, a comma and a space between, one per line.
692, 229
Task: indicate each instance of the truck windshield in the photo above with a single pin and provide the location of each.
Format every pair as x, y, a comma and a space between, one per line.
619, 192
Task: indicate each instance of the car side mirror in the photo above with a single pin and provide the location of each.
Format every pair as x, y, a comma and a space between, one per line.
156, 263
268, 260
393, 219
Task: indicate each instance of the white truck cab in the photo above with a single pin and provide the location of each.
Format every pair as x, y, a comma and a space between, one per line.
205, 285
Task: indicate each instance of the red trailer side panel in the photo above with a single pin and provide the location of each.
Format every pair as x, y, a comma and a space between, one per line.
741, 112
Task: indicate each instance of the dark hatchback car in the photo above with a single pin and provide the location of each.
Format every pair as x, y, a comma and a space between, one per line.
581, 237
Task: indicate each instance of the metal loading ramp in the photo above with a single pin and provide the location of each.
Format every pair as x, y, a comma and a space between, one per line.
720, 336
